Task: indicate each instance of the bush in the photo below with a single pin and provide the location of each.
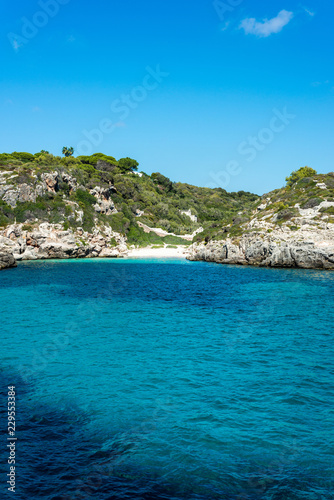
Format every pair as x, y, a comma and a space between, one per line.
84, 197
296, 175
24, 157
119, 223
45, 159
93, 159
5, 158
328, 210
311, 203
161, 180
286, 214
127, 165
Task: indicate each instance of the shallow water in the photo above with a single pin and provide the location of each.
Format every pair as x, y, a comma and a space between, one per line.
145, 379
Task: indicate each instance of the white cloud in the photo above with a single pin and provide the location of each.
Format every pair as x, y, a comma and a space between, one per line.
268, 26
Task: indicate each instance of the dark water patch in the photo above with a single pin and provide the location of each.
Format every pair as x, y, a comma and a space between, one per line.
58, 459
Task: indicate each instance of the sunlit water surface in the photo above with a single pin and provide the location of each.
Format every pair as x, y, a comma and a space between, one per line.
146, 379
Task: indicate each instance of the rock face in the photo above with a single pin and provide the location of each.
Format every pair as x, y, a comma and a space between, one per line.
12, 192
51, 181
104, 203
279, 232
51, 241
304, 249
6, 260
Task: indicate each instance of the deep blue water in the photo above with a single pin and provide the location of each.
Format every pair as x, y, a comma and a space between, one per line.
168, 380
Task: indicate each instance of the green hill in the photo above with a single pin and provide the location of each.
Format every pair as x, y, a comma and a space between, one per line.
283, 208
74, 184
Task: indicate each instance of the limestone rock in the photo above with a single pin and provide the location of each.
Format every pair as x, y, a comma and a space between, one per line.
104, 203
311, 250
6, 260
51, 241
71, 181
51, 180
19, 193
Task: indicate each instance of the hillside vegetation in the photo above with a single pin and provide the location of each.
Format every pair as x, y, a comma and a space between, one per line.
306, 199
78, 188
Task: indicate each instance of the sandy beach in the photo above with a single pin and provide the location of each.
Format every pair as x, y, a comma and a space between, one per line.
159, 253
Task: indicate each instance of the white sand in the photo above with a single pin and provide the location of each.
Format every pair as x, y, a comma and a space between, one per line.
159, 253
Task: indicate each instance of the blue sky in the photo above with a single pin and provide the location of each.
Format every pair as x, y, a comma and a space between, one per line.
234, 93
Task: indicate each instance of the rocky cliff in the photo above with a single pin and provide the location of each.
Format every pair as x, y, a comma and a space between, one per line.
291, 227
51, 241
304, 249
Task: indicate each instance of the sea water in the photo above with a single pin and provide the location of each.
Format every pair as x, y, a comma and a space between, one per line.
167, 379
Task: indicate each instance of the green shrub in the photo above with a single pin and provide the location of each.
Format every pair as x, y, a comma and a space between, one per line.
127, 165
84, 197
161, 180
119, 223
328, 210
311, 203
5, 158
93, 159
287, 214
299, 174
24, 157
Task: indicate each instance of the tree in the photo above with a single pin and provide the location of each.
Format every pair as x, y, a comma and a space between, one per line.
161, 180
67, 151
42, 152
127, 165
24, 157
296, 175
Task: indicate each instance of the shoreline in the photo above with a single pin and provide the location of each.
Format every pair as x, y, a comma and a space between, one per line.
179, 252
157, 253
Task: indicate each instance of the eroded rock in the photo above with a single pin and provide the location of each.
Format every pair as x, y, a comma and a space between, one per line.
6, 260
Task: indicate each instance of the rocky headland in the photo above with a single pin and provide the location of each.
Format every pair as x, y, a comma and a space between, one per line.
304, 249
279, 232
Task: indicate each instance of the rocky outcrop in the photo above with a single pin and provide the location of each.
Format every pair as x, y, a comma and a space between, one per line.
12, 192
51, 181
51, 241
6, 260
189, 214
104, 203
71, 181
303, 249
277, 235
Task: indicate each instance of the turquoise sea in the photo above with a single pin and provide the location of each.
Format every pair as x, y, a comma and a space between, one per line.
147, 379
